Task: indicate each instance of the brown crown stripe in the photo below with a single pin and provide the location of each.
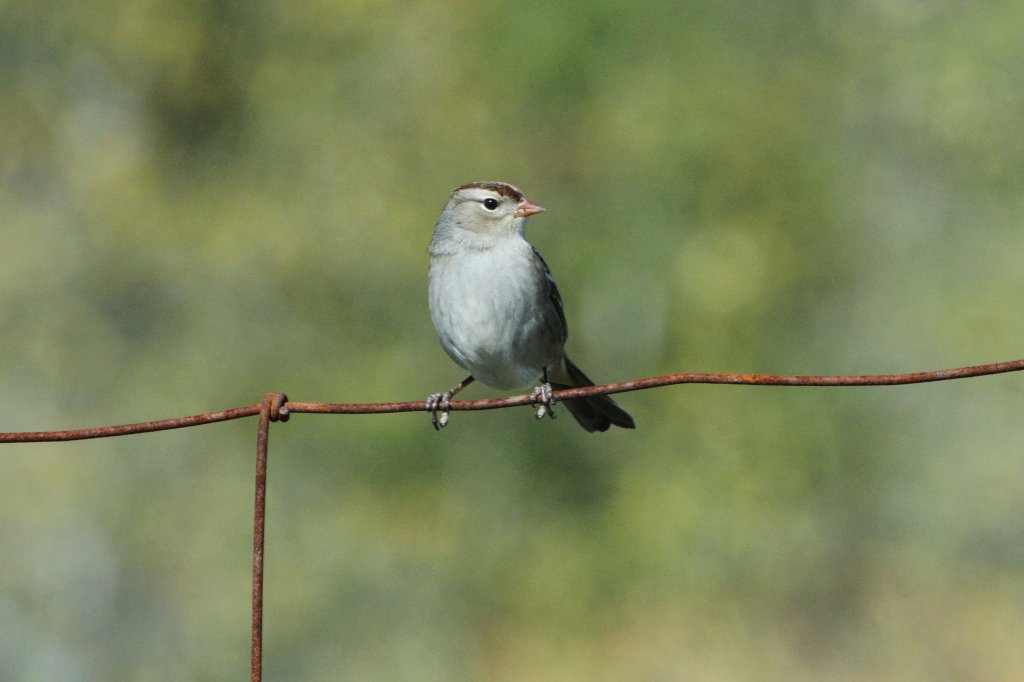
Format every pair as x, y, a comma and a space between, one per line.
501, 188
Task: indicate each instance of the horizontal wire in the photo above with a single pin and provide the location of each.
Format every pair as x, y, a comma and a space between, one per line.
513, 401
128, 429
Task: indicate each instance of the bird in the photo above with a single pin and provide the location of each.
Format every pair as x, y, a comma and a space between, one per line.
496, 309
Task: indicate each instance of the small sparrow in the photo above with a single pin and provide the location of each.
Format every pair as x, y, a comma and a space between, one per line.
496, 309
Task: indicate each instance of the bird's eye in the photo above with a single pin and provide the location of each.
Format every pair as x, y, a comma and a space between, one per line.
490, 203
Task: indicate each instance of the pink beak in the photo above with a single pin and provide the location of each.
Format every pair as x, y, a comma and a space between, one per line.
526, 208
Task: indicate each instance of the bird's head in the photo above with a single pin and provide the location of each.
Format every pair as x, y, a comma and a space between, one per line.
488, 208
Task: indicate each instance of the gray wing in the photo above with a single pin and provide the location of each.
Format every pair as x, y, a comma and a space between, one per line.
551, 289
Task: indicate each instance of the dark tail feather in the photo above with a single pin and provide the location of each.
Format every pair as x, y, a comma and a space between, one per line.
597, 413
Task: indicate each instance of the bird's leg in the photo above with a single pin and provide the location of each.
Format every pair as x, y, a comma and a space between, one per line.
543, 395
441, 402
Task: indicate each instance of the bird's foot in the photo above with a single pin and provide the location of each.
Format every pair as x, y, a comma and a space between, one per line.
544, 396
439, 402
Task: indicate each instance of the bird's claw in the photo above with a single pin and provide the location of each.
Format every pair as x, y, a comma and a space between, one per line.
439, 402
544, 396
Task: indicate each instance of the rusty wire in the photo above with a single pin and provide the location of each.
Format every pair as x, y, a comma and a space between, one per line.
512, 401
277, 407
128, 429
270, 410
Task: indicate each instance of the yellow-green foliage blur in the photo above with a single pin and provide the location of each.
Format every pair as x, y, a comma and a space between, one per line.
204, 201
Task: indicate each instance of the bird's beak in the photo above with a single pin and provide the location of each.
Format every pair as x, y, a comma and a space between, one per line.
526, 208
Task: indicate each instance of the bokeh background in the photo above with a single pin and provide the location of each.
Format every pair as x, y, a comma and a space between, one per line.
206, 200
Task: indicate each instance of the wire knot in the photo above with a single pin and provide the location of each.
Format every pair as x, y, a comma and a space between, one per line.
276, 405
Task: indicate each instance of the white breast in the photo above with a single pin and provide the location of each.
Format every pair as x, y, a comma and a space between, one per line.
484, 308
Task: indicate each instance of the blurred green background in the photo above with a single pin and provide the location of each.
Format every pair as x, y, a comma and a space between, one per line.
203, 201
